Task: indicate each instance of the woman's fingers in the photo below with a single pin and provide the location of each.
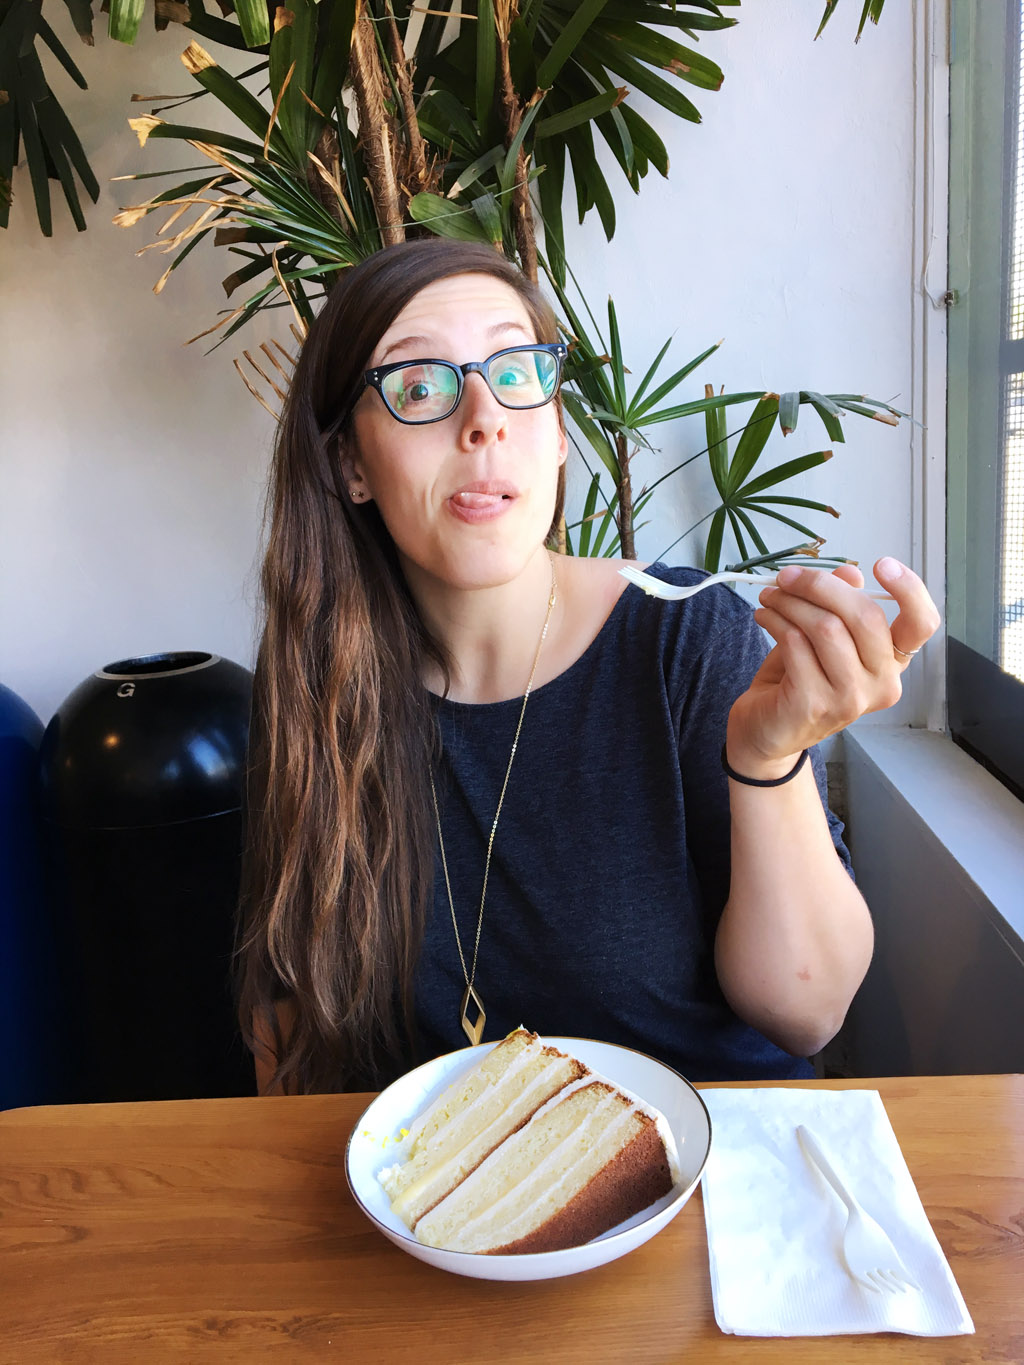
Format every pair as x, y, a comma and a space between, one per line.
836, 656
849, 573
825, 679
790, 621
846, 628
918, 618
801, 666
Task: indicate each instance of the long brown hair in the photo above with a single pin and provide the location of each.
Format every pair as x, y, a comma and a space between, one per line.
338, 862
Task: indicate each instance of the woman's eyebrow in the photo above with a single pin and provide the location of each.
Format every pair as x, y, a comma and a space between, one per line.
405, 341
496, 331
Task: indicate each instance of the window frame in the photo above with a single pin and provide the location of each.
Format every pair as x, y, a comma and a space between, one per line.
985, 704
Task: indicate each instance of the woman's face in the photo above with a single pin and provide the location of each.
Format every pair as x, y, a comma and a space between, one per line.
468, 500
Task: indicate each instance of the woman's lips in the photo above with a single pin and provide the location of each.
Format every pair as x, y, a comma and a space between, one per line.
482, 502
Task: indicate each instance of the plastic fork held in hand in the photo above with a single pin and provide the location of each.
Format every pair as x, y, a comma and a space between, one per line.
868, 1254
656, 588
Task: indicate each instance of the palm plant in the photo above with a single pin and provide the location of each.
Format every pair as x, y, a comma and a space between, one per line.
611, 420
749, 497
31, 116
381, 118
576, 48
615, 423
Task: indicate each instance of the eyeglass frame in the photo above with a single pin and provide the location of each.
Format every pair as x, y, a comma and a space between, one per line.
374, 379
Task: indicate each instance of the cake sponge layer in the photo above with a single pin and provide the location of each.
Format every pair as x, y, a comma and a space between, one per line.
584, 1162
472, 1118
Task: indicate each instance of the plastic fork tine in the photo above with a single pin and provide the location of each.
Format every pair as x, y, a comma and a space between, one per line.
656, 587
891, 1280
868, 1253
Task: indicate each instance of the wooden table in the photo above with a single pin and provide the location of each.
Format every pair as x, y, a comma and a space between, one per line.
224, 1230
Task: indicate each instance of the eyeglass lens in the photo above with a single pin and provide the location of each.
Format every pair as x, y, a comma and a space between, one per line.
424, 392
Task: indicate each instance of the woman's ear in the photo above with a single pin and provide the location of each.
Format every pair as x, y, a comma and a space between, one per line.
563, 445
351, 473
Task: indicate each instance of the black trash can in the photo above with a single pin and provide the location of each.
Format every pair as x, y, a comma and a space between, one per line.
142, 772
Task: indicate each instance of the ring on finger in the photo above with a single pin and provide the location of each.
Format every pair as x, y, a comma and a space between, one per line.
905, 653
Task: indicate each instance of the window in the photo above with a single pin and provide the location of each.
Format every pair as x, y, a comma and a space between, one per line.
985, 607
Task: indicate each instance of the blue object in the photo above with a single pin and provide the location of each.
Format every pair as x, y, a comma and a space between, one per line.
28, 994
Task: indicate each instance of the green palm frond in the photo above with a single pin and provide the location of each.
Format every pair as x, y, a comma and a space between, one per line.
32, 119
751, 500
587, 56
872, 9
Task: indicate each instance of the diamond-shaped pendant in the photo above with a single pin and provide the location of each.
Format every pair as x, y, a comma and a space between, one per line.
474, 1032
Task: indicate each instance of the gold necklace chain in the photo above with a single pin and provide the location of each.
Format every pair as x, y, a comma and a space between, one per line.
474, 1032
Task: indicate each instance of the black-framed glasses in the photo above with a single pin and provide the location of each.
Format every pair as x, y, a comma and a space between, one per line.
420, 391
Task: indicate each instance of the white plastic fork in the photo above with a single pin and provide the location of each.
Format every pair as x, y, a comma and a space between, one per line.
868, 1254
656, 588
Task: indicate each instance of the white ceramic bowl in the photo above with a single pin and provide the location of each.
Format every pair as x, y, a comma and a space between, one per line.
371, 1147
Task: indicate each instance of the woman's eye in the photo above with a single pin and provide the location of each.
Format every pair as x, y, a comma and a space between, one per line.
417, 389
512, 374
421, 392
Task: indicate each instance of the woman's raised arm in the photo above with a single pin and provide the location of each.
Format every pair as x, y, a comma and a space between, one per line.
795, 937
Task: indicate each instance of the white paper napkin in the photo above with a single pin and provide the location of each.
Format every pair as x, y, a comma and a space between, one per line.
775, 1229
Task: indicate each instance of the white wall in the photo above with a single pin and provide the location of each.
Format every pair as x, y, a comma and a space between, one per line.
131, 467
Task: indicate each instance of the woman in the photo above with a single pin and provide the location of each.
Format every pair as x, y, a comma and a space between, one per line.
488, 778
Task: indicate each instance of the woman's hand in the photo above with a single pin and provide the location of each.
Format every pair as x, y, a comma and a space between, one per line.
836, 658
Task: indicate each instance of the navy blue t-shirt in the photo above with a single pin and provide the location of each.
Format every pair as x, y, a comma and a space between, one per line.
610, 866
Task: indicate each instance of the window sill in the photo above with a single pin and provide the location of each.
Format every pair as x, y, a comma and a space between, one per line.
938, 848
972, 816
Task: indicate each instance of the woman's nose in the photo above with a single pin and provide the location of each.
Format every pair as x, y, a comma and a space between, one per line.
481, 416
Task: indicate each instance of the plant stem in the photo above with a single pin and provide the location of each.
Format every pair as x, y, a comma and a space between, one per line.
512, 114
624, 485
327, 151
414, 138
376, 130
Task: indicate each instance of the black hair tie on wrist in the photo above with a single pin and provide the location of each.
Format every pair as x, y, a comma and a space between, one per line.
764, 781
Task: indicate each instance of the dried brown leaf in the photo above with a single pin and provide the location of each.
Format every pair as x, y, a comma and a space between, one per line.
273, 359
196, 59
255, 392
264, 376
292, 361
172, 243
173, 11
277, 106
129, 217
315, 107
142, 127
217, 325
158, 288
334, 184
284, 288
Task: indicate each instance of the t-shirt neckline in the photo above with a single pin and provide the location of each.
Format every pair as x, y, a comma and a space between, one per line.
479, 707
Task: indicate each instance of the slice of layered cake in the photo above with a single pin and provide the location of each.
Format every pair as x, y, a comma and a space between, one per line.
529, 1151
471, 1118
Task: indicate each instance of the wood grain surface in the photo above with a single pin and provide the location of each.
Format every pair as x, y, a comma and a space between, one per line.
223, 1230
